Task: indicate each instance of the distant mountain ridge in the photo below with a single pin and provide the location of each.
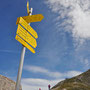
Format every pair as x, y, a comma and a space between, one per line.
80, 82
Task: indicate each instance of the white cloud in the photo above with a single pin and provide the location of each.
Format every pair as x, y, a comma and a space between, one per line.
41, 70
78, 13
85, 62
35, 84
37, 69
72, 73
9, 51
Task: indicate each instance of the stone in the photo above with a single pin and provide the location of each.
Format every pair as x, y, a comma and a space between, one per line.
7, 84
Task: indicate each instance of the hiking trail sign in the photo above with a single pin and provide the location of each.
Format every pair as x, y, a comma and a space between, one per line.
27, 36
26, 33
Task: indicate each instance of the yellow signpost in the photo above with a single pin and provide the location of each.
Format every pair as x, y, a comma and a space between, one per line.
27, 36
32, 18
28, 27
24, 43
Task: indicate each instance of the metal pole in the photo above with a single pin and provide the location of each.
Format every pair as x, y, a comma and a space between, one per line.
21, 63
20, 69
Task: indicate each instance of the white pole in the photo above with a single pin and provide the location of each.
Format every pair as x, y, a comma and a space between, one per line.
20, 68
21, 63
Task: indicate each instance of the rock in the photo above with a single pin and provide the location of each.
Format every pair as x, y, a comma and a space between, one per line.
7, 84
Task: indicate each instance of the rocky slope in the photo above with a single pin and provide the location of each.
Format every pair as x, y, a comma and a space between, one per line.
6, 83
80, 82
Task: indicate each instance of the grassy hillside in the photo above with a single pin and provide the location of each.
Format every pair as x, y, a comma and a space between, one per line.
80, 82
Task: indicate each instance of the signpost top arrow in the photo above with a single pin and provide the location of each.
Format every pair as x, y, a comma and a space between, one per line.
32, 18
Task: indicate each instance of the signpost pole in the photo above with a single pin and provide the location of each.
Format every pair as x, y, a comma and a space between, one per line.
20, 68
22, 38
21, 63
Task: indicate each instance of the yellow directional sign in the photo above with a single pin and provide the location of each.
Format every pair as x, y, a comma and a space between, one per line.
32, 18
24, 43
26, 36
28, 27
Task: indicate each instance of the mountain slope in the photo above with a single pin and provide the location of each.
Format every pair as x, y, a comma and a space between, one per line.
7, 84
80, 82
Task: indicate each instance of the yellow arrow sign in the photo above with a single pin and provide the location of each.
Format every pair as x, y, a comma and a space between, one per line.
26, 36
32, 18
28, 27
24, 43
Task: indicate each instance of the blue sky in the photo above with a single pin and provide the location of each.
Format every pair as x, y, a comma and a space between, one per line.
63, 45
